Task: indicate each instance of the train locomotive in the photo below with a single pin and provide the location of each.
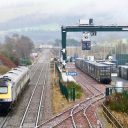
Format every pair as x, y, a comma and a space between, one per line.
100, 72
11, 85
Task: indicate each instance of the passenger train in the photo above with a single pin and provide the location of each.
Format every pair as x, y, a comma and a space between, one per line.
11, 85
100, 72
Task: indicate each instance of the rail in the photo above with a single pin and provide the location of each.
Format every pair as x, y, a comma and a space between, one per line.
40, 104
35, 69
90, 99
58, 119
89, 123
66, 111
91, 103
24, 116
111, 117
4, 121
73, 122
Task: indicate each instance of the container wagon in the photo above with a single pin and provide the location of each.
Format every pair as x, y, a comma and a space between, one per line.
123, 71
112, 66
100, 72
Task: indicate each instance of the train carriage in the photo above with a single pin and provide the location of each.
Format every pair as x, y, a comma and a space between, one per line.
11, 85
113, 66
123, 71
98, 71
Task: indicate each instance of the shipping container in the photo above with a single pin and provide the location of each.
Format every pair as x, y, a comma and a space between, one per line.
98, 71
112, 66
123, 71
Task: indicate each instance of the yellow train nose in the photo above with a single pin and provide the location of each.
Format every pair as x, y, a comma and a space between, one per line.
7, 94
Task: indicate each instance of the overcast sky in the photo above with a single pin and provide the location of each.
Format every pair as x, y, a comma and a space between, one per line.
49, 15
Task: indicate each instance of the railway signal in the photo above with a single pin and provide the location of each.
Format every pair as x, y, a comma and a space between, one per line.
86, 45
86, 42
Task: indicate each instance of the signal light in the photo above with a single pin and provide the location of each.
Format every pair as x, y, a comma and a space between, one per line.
86, 45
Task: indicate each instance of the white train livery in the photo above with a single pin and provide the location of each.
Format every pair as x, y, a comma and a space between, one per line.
11, 85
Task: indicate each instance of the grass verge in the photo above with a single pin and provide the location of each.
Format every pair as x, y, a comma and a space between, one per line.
59, 102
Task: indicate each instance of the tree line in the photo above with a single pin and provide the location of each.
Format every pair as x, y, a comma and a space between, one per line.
69, 42
17, 47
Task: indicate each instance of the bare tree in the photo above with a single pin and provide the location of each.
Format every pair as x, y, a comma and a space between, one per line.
17, 47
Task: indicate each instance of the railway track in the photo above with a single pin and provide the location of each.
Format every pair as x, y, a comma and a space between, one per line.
67, 117
75, 120
89, 85
3, 120
90, 113
95, 91
60, 119
33, 70
34, 106
80, 118
41, 108
15, 117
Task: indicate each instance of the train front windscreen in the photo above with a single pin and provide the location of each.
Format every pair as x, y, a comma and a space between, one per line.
3, 86
3, 89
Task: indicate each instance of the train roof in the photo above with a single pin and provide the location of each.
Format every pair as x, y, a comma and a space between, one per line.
97, 64
79, 59
100, 64
108, 63
15, 74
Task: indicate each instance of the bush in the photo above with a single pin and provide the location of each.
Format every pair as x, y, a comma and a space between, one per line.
29, 62
3, 69
119, 102
77, 87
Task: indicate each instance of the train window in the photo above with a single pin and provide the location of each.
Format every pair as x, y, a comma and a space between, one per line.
3, 89
2, 82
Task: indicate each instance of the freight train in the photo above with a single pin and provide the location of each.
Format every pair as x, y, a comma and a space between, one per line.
11, 86
112, 66
100, 72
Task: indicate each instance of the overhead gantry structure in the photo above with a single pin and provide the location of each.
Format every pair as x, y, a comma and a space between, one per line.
87, 28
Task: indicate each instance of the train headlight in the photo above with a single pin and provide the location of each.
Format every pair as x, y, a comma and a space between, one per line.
8, 100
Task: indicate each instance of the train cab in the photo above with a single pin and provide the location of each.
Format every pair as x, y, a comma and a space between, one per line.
5, 94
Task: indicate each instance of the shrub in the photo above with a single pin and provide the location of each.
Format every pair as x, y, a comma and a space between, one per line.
119, 102
3, 69
77, 87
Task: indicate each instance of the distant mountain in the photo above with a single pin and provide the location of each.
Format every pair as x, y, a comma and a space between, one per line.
43, 27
